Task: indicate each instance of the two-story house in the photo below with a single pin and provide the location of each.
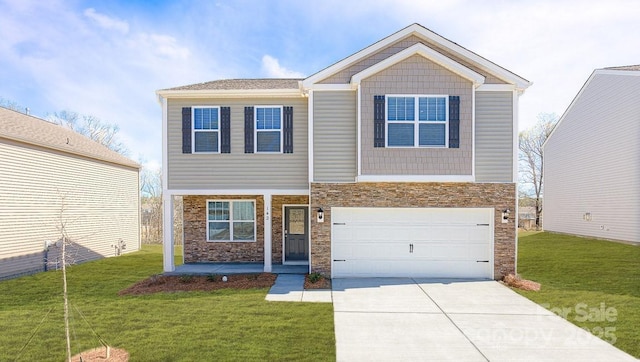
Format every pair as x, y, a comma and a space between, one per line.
399, 160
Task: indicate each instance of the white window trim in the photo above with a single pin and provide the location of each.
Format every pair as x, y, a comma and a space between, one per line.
416, 122
193, 128
255, 128
231, 220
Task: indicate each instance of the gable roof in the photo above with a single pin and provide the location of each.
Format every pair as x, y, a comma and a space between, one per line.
237, 87
28, 129
626, 70
423, 33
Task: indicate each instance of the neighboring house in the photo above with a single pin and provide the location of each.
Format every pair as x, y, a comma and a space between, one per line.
51, 175
399, 160
592, 160
527, 217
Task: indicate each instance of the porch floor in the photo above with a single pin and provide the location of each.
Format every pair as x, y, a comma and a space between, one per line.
236, 268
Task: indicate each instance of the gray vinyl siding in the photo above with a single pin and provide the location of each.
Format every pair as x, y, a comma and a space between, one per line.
99, 203
592, 162
237, 170
335, 136
494, 137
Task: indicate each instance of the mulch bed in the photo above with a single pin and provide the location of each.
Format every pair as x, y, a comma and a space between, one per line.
516, 282
187, 283
323, 283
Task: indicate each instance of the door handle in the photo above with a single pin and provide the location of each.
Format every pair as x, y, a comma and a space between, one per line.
410, 248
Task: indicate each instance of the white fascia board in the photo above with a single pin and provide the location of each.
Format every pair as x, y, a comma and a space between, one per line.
165, 144
631, 73
496, 88
331, 87
424, 33
202, 192
425, 51
234, 93
310, 136
415, 178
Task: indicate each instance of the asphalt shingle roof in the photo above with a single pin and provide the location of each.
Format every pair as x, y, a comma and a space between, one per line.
242, 84
625, 67
29, 129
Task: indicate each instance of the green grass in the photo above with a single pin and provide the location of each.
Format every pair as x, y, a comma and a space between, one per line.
582, 277
224, 325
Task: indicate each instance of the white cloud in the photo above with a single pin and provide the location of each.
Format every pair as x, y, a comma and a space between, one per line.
162, 45
107, 22
272, 69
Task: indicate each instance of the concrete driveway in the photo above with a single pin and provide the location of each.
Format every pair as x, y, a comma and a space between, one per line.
398, 319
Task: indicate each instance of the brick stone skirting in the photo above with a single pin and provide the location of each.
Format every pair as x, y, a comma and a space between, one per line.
499, 196
198, 249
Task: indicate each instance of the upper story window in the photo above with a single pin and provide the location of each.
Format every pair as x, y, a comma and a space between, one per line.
417, 121
206, 129
268, 128
231, 220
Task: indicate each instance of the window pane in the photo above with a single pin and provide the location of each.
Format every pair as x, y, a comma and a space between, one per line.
268, 141
219, 231
197, 118
206, 142
268, 118
242, 210
401, 109
432, 108
243, 230
432, 134
205, 118
218, 210
400, 134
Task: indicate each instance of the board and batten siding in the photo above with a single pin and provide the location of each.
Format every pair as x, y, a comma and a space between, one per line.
237, 170
494, 137
592, 163
98, 201
335, 136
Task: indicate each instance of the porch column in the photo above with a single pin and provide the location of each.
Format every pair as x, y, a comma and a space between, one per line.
267, 233
167, 232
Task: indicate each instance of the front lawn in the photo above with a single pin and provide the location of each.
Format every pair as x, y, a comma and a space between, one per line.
594, 284
220, 325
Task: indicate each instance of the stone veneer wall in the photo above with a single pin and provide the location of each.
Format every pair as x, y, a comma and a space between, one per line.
277, 216
499, 196
196, 247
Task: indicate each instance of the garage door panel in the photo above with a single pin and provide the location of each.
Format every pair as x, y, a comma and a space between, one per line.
427, 242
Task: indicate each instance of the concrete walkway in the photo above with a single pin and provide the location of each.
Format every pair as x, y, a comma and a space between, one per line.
398, 319
290, 288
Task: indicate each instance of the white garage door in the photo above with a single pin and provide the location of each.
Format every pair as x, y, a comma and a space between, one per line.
411, 242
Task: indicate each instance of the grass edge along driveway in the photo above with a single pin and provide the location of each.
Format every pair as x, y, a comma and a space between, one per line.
594, 284
224, 325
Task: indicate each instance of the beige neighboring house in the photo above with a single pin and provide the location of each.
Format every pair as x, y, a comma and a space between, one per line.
46, 169
399, 160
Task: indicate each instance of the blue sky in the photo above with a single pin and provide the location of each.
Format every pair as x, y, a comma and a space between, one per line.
107, 58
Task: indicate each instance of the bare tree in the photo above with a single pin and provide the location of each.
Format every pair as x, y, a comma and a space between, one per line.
532, 159
151, 203
92, 127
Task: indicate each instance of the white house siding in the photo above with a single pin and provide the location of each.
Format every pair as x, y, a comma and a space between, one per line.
592, 162
238, 169
494, 137
416, 75
40, 188
335, 135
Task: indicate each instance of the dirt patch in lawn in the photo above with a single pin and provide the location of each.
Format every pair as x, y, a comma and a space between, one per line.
187, 283
317, 282
100, 354
516, 282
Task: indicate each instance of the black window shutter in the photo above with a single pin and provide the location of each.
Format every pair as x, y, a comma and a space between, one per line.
248, 129
225, 130
378, 121
454, 121
186, 129
287, 129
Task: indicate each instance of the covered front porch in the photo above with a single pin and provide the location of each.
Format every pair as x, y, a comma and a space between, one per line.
235, 268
